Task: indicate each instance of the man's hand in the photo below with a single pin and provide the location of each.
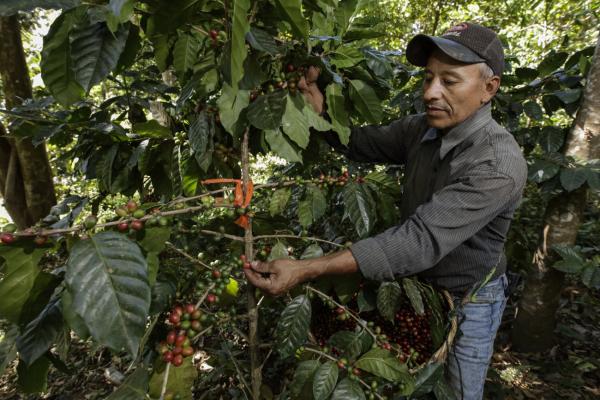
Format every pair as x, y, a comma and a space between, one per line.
308, 86
275, 277
278, 276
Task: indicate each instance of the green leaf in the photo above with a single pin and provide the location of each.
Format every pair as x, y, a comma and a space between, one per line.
572, 178
351, 344
312, 207
292, 12
134, 387
180, 380
33, 378
73, 320
343, 14
10, 7
240, 27
278, 251
294, 123
593, 178
279, 201
346, 288
359, 208
348, 390
365, 101
262, 40
552, 138
267, 111
199, 135
572, 261
95, 52
185, 52
533, 110
383, 364
568, 96
526, 74
325, 379
414, 295
155, 239
388, 299
281, 146
552, 62
152, 129
41, 333
337, 111
427, 377
20, 275
8, 346
312, 251
542, 170
346, 57
56, 63
292, 328
132, 47
118, 12
153, 243
590, 277
303, 376
107, 276
231, 104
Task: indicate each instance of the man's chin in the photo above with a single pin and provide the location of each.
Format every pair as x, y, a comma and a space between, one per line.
438, 123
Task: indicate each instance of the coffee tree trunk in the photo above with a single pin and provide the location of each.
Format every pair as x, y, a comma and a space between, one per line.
536, 320
25, 176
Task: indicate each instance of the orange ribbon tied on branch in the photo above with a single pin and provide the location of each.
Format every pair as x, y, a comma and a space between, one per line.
239, 199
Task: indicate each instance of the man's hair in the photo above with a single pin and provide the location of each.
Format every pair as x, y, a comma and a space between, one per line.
485, 71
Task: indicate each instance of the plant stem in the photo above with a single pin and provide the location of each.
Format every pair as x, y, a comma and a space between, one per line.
187, 256
253, 341
298, 237
165, 380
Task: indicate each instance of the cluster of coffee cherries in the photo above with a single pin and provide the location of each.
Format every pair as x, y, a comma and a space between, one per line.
186, 322
132, 213
288, 79
219, 277
341, 180
409, 336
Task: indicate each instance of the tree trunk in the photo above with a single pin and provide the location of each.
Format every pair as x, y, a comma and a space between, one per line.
534, 326
25, 174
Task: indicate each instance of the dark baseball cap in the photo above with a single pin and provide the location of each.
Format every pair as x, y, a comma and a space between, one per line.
466, 42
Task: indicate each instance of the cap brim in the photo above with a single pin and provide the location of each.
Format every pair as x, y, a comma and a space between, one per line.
420, 47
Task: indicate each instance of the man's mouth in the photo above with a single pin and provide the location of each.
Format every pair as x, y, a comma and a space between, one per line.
431, 109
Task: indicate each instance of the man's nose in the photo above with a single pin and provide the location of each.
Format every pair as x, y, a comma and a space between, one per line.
432, 90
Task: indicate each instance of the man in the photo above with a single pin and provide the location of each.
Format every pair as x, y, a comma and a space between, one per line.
464, 179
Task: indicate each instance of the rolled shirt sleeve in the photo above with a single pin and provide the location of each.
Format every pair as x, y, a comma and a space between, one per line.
380, 144
453, 215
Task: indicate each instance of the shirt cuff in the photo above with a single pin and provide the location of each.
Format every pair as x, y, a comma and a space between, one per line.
371, 260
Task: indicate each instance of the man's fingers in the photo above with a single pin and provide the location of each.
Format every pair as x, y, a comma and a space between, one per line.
259, 266
302, 84
256, 279
312, 74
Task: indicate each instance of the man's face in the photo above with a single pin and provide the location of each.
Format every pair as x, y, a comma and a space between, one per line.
453, 91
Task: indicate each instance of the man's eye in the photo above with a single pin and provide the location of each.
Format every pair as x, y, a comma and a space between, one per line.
428, 79
449, 82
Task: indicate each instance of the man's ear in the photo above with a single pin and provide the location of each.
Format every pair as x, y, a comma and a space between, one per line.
491, 87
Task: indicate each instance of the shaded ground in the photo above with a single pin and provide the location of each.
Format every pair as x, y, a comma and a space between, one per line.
571, 370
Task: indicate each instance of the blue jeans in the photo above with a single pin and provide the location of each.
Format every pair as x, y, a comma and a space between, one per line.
469, 357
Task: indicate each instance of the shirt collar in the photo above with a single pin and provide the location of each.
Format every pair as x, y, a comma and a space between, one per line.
461, 131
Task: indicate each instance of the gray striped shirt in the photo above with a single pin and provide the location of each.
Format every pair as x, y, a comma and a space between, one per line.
460, 192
